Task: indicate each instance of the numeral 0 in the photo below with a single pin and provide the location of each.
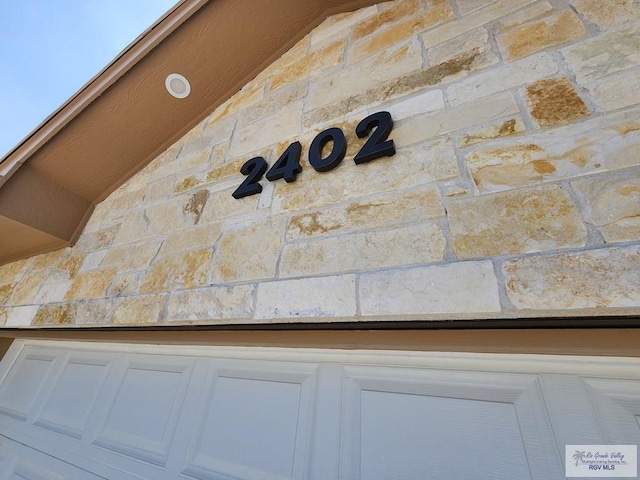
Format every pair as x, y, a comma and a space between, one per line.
377, 126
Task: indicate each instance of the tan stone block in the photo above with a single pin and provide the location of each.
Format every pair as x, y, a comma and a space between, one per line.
278, 99
310, 65
476, 40
158, 190
181, 270
419, 165
524, 15
93, 260
196, 151
364, 251
283, 124
602, 279
490, 13
295, 53
55, 314
429, 101
519, 221
555, 102
388, 17
501, 129
612, 204
337, 25
608, 14
250, 94
5, 292
212, 303
90, 242
485, 110
67, 268
380, 211
92, 284
4, 315
455, 288
20, 316
249, 252
192, 238
529, 38
52, 292
144, 309
10, 272
195, 205
616, 91
389, 65
602, 144
222, 204
25, 291
95, 312
465, 7
46, 260
605, 54
508, 76
132, 256
332, 297
126, 284
400, 32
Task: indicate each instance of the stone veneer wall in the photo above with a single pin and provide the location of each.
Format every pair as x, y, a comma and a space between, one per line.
515, 190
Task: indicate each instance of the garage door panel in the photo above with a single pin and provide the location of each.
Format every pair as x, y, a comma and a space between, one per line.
141, 418
253, 422
68, 408
617, 403
28, 380
402, 423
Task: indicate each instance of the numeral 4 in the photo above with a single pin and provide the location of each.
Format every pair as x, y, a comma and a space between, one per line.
288, 165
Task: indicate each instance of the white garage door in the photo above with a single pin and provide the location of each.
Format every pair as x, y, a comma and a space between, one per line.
87, 411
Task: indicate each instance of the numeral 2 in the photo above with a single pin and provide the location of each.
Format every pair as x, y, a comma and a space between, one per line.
377, 145
254, 170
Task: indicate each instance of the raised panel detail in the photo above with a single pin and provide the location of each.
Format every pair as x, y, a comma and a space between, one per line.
144, 413
25, 382
68, 407
253, 425
412, 424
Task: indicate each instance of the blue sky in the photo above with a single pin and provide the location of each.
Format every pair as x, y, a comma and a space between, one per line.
51, 48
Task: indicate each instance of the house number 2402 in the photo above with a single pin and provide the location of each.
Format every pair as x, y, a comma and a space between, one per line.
377, 126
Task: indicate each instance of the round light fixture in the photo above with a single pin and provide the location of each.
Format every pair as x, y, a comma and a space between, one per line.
177, 85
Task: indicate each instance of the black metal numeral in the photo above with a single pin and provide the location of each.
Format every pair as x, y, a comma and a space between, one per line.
254, 170
377, 145
288, 165
337, 152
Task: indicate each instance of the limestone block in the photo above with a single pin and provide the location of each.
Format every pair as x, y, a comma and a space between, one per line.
46, 260
465, 7
554, 101
126, 284
5, 292
501, 129
138, 310
524, 15
283, 124
249, 252
602, 144
383, 67
338, 24
26, 290
508, 76
10, 272
531, 37
196, 151
276, 100
93, 241
191, 238
399, 32
477, 40
222, 204
465, 287
181, 270
605, 54
93, 260
608, 14
387, 17
380, 211
92, 284
251, 94
364, 251
518, 221
616, 91
419, 165
67, 268
157, 190
426, 102
98, 311
604, 278
132, 256
310, 65
490, 13
55, 314
212, 303
612, 204
20, 316
485, 110
51, 292
307, 298
295, 53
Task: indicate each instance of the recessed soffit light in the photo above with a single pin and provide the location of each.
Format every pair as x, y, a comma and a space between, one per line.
177, 85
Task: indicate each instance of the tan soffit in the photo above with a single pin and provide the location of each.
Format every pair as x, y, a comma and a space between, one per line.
123, 118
